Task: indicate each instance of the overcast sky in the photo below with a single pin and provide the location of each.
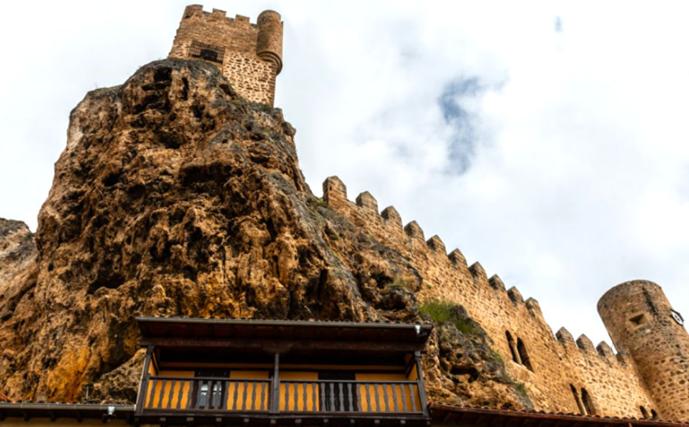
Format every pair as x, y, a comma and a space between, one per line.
548, 140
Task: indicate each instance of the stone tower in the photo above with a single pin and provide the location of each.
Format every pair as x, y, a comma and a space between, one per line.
249, 55
642, 323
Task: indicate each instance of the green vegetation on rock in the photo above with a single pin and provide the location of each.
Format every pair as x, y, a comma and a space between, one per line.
445, 312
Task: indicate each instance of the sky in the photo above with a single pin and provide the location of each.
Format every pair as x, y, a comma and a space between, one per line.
547, 140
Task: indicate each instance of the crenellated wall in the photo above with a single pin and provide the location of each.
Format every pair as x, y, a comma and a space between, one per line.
552, 367
249, 55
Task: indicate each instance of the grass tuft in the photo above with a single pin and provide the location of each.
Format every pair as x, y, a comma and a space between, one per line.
445, 312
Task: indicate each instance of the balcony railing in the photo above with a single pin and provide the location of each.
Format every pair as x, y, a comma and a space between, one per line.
216, 395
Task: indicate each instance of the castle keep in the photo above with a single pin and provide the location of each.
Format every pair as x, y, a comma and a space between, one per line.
249, 55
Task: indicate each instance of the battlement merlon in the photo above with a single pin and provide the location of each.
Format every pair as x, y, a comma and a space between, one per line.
216, 15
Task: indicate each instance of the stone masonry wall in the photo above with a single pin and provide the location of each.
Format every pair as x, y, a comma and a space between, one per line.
250, 66
258, 82
558, 363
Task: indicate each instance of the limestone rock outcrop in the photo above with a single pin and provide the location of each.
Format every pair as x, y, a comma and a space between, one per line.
17, 264
176, 197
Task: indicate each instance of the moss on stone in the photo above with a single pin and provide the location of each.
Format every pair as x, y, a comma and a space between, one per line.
445, 312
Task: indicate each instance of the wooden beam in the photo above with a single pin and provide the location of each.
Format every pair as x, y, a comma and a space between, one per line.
275, 393
419, 383
281, 346
143, 382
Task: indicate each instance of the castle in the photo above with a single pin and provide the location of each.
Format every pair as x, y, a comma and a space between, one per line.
649, 377
179, 202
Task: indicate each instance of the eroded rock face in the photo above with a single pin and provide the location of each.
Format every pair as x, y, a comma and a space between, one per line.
462, 367
17, 262
176, 197
16, 243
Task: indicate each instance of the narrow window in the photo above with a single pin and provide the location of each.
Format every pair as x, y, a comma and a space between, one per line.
586, 400
577, 399
513, 349
209, 55
207, 52
638, 320
523, 355
644, 412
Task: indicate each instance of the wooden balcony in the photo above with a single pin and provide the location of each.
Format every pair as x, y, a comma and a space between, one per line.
208, 395
202, 372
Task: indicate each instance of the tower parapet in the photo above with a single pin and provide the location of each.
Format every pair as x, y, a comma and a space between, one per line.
642, 323
248, 55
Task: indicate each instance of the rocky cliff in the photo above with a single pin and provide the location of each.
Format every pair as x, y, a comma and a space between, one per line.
176, 197
17, 264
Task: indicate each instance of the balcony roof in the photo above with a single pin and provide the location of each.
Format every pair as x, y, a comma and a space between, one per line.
291, 336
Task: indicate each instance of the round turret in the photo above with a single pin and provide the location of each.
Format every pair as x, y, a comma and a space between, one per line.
269, 43
642, 323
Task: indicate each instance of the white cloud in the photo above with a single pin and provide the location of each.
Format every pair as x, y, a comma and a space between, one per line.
579, 176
